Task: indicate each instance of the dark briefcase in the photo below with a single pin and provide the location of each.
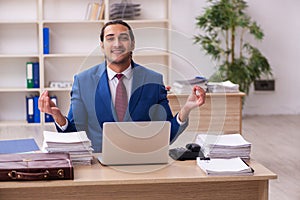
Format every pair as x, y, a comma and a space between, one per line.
36, 166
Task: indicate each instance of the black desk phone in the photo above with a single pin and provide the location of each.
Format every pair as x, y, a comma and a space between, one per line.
190, 152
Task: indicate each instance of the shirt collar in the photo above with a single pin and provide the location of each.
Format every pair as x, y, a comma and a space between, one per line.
127, 72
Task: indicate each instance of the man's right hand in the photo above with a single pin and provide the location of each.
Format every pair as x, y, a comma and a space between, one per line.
47, 106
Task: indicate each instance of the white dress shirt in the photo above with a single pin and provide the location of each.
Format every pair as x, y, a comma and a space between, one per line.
113, 82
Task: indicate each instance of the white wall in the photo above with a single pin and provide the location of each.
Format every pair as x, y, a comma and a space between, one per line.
281, 45
188, 59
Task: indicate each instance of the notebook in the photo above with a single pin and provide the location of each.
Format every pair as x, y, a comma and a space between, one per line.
135, 143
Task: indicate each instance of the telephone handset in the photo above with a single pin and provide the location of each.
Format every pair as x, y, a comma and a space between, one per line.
190, 152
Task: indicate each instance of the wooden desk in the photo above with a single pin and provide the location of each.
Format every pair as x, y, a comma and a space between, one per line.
222, 112
178, 180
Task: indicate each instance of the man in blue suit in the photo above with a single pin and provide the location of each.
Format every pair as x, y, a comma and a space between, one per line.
94, 91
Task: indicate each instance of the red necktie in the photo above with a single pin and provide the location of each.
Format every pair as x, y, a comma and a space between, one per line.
121, 98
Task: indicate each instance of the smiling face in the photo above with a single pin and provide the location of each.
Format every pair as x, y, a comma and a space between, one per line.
117, 47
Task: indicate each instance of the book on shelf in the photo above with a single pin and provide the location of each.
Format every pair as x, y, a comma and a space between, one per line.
77, 144
224, 145
49, 118
32, 111
225, 167
46, 40
101, 12
95, 11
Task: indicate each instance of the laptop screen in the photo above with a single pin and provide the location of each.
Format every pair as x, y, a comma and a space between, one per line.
135, 142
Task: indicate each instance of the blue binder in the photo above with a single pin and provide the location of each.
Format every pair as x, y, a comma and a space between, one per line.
36, 75
36, 111
29, 109
49, 118
46, 36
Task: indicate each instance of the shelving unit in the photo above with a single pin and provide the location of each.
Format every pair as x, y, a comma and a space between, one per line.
74, 47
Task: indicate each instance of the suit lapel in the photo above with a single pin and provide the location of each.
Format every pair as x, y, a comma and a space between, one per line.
103, 103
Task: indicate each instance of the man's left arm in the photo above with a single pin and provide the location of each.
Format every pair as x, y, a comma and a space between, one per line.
180, 121
195, 99
177, 126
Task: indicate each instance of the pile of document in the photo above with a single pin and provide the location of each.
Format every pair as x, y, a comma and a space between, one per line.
185, 86
77, 144
222, 87
224, 146
124, 10
225, 167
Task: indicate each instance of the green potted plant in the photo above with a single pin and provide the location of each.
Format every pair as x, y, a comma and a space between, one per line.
224, 26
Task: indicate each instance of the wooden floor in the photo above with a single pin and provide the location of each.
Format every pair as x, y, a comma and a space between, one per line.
275, 143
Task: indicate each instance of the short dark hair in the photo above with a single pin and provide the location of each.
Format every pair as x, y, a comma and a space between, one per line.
113, 23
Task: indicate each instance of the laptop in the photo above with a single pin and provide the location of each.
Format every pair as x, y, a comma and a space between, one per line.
135, 143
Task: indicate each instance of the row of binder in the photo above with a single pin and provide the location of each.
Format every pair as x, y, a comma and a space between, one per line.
33, 114
33, 68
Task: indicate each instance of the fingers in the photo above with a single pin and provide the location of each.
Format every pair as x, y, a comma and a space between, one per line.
44, 103
198, 91
200, 94
41, 101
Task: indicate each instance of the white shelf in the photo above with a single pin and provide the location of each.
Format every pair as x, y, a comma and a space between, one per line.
72, 21
19, 56
137, 53
58, 89
26, 90
147, 21
18, 22
150, 52
68, 55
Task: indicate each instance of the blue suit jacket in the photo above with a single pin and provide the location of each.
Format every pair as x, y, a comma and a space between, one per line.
91, 103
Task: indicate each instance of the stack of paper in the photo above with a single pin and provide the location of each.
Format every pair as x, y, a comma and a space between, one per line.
225, 167
222, 87
77, 144
185, 86
224, 146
